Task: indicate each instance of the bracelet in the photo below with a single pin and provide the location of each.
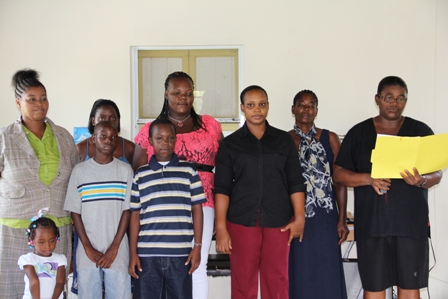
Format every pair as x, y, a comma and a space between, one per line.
424, 182
197, 244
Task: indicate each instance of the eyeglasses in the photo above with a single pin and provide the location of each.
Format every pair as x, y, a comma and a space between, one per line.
391, 99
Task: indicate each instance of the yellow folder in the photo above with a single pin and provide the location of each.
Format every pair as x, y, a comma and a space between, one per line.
394, 154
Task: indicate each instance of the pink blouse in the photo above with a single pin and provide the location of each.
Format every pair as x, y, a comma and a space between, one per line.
199, 146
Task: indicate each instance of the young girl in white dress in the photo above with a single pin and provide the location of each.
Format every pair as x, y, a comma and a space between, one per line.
44, 269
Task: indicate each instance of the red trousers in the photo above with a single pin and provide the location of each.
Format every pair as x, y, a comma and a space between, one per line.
257, 250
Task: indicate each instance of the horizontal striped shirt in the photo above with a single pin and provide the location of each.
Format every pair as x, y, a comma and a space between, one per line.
100, 193
164, 195
113, 190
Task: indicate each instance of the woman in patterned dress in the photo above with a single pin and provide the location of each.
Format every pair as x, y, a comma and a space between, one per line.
315, 264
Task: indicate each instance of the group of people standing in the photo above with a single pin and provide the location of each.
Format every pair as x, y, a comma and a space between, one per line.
276, 200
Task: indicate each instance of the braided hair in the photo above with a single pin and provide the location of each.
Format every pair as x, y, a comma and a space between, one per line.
25, 79
303, 92
197, 122
41, 222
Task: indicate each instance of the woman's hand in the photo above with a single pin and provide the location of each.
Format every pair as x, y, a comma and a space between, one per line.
414, 179
380, 184
342, 231
295, 228
223, 241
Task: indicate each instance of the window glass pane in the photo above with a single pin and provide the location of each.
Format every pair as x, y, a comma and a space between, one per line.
153, 74
216, 87
215, 72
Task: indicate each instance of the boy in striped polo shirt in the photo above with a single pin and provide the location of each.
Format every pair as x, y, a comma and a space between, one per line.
98, 197
166, 213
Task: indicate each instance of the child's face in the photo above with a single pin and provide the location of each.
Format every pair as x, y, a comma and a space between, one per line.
44, 241
105, 139
163, 140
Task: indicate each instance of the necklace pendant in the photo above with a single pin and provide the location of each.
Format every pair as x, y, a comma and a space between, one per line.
180, 123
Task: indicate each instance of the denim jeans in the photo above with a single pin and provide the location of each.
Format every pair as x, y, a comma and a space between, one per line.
117, 284
163, 275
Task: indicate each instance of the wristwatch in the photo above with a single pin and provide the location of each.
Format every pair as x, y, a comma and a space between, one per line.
424, 182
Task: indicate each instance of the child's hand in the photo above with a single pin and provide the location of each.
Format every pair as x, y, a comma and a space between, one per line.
94, 255
34, 280
134, 262
60, 282
108, 258
195, 258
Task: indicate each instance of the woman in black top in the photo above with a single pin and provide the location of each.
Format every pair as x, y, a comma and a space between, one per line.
391, 227
259, 201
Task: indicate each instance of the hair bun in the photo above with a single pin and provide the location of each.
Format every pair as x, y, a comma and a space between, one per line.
23, 80
24, 75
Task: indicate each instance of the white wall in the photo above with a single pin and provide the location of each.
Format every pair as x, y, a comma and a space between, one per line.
339, 49
438, 204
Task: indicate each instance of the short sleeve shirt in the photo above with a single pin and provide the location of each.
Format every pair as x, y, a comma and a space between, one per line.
100, 193
46, 269
403, 210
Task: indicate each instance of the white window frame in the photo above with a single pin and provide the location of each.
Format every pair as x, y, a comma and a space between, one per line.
136, 122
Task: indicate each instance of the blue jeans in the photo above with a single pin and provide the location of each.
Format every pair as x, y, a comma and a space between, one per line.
74, 288
117, 284
163, 275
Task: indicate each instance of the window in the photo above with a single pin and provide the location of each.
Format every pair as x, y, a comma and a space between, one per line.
216, 72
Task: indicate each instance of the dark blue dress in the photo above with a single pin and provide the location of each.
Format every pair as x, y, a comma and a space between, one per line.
315, 264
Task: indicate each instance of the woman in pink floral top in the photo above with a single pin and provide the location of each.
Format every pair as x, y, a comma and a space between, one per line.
198, 138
